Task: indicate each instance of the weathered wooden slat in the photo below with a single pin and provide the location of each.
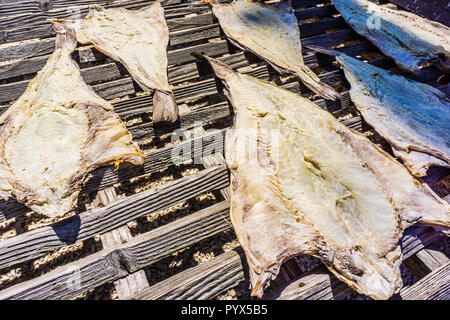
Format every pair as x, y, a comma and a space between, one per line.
32, 65
47, 46
194, 34
435, 286
12, 7
107, 90
33, 244
132, 283
436, 10
202, 282
12, 91
425, 261
118, 261
315, 12
37, 26
229, 266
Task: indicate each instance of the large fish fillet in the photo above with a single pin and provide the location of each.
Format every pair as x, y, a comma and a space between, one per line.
303, 183
56, 133
271, 32
138, 39
410, 40
413, 117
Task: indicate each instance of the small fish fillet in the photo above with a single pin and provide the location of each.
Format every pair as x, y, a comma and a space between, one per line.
410, 40
303, 183
138, 39
413, 117
271, 32
56, 133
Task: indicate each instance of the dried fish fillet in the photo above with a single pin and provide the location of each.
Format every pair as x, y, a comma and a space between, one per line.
56, 133
410, 40
138, 39
413, 117
303, 183
271, 32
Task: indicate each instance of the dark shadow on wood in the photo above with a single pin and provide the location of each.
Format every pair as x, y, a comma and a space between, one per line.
68, 230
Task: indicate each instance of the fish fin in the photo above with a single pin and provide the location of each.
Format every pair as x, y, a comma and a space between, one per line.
431, 217
165, 109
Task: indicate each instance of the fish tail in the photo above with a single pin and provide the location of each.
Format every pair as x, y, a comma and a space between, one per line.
65, 34
323, 50
165, 109
314, 84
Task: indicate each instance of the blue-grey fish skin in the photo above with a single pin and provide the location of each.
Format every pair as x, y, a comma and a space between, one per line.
413, 117
410, 40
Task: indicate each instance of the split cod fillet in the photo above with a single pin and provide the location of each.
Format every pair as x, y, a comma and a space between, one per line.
413, 117
137, 39
56, 133
303, 183
412, 41
271, 32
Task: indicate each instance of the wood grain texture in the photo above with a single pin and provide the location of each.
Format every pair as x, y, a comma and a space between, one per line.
435, 286
33, 244
23, 26
117, 262
202, 282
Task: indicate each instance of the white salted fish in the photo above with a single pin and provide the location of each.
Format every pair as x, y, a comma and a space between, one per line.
138, 39
56, 133
409, 39
413, 117
303, 183
272, 33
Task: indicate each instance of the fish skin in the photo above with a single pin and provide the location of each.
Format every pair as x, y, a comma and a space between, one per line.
139, 40
56, 133
320, 189
413, 117
412, 41
271, 32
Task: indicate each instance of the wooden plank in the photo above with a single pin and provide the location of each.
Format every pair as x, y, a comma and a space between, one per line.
315, 12
194, 34
111, 90
323, 286
202, 282
134, 282
107, 90
33, 244
117, 262
425, 261
435, 286
24, 26
436, 10
12, 7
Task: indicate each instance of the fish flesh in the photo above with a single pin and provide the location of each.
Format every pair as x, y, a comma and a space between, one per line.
272, 33
303, 183
137, 39
56, 133
412, 41
413, 117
